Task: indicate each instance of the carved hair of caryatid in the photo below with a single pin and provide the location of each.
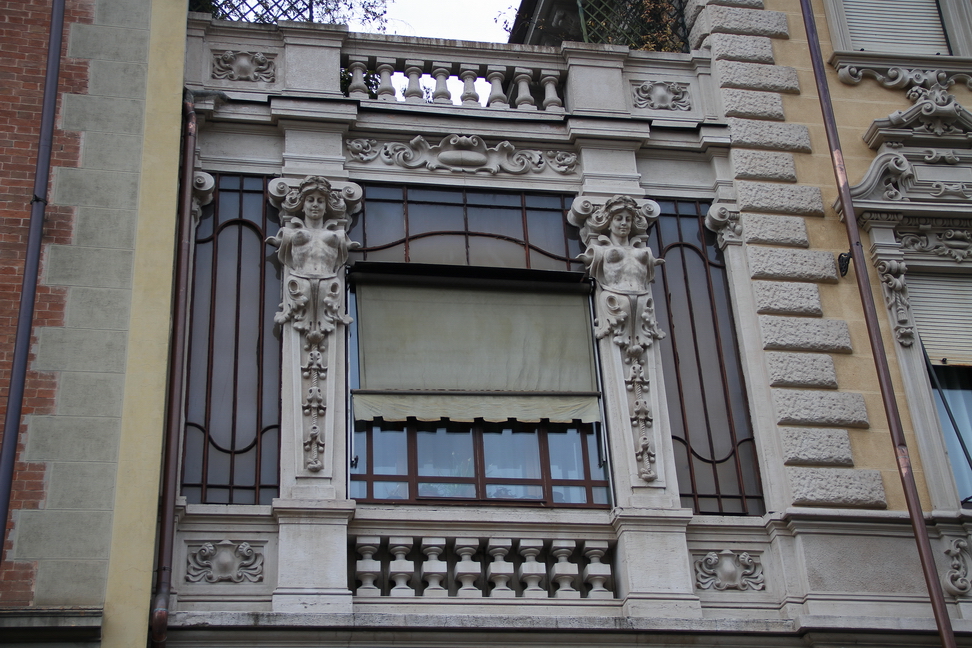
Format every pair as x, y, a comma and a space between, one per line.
313, 245
617, 256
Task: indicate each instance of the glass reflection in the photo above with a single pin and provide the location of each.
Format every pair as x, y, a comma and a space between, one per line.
512, 455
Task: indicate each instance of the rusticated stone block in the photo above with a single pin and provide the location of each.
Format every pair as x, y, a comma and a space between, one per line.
732, 47
801, 369
694, 7
837, 487
804, 334
734, 20
760, 134
775, 230
757, 76
811, 407
787, 298
816, 446
772, 197
763, 165
752, 103
795, 265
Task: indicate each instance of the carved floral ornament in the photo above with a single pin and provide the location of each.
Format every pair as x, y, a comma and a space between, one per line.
729, 570
313, 246
461, 153
225, 561
244, 66
622, 264
662, 95
956, 579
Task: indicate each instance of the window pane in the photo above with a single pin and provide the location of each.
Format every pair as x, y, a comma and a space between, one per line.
566, 458
358, 490
436, 249
390, 490
569, 495
594, 457
514, 491
600, 495
512, 455
499, 199
445, 453
435, 218
508, 222
467, 491
384, 223
493, 252
390, 452
360, 452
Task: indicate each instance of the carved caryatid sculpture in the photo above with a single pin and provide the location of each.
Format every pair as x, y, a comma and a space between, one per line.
622, 264
313, 246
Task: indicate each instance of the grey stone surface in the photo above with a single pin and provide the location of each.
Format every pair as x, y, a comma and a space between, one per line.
757, 76
796, 265
787, 298
123, 13
70, 349
77, 485
98, 308
766, 135
752, 104
111, 151
107, 114
775, 230
71, 438
694, 7
70, 265
763, 165
105, 228
801, 369
71, 583
732, 47
95, 188
836, 487
62, 534
816, 446
116, 79
90, 394
107, 43
849, 562
812, 407
804, 334
733, 20
773, 197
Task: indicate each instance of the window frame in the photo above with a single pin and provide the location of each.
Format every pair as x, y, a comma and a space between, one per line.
956, 23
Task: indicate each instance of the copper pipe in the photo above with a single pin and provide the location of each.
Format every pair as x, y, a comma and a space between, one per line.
28, 290
935, 593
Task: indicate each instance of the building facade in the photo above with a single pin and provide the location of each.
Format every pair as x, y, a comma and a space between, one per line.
557, 349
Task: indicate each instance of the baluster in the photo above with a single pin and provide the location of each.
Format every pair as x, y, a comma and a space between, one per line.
564, 572
500, 572
434, 571
367, 569
401, 570
441, 94
469, 74
358, 89
467, 570
597, 573
524, 99
413, 93
531, 572
497, 98
551, 101
385, 68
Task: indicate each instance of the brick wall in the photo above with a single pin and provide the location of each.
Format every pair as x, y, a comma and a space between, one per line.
24, 26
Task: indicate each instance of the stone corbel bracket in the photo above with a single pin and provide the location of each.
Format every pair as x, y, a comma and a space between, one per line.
892, 273
956, 579
461, 154
724, 221
203, 186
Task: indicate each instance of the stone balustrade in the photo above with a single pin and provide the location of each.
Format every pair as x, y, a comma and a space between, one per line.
439, 567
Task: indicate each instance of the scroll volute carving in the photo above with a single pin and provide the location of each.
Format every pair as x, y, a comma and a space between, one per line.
619, 259
313, 246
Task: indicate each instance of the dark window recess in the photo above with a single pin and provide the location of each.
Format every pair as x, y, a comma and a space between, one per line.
715, 454
547, 464
232, 434
466, 227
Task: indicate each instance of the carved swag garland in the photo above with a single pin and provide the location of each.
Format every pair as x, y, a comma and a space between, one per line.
618, 258
313, 246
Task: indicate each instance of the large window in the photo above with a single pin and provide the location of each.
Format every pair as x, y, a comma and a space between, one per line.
901, 27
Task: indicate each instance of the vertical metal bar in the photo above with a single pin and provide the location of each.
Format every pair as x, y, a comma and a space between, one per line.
28, 290
935, 593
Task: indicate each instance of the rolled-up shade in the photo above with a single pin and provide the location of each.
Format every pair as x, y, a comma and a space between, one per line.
942, 307
421, 338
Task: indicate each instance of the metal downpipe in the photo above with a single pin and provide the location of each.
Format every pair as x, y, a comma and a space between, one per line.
28, 290
935, 593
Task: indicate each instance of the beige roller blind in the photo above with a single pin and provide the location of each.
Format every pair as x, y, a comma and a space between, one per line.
445, 339
942, 308
896, 26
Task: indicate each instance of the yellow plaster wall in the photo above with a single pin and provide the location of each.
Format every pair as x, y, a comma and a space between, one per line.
855, 107
130, 570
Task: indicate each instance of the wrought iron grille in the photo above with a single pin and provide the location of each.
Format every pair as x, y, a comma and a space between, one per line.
652, 25
270, 11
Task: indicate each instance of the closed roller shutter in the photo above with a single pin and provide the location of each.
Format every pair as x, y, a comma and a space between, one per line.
896, 26
942, 308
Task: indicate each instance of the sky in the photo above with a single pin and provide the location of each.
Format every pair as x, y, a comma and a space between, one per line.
473, 20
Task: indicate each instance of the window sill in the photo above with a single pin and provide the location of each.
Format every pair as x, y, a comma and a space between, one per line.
881, 62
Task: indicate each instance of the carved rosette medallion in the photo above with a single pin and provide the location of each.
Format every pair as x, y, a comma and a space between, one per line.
461, 153
313, 246
662, 95
225, 561
728, 570
622, 264
243, 66
956, 579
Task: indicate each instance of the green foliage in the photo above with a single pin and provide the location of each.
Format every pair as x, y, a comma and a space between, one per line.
651, 25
